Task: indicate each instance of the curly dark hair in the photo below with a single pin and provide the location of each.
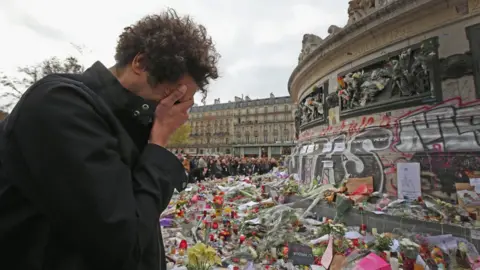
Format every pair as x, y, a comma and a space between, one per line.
172, 47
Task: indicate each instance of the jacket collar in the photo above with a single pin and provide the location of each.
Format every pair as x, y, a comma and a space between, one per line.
118, 98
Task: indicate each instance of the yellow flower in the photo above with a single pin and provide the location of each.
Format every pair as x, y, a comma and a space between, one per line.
201, 255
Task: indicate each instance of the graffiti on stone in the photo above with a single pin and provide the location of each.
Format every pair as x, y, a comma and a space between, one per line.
449, 127
444, 139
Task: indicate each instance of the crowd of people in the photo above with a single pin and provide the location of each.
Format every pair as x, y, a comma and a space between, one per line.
200, 168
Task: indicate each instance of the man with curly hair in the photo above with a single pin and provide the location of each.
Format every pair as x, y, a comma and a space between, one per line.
84, 173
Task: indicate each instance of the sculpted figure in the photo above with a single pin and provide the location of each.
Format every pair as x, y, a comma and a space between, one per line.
333, 29
298, 120
309, 43
373, 85
305, 112
358, 9
353, 82
315, 108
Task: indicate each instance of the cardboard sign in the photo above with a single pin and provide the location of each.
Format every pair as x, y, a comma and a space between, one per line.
300, 254
354, 183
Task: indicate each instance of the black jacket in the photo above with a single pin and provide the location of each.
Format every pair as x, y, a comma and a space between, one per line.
80, 187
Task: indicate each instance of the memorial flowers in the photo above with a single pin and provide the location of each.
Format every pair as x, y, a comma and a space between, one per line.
202, 257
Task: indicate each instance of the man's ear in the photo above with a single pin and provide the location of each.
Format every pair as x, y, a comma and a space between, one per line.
138, 65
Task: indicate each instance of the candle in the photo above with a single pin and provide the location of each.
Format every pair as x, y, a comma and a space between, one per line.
242, 238
285, 251
273, 252
183, 244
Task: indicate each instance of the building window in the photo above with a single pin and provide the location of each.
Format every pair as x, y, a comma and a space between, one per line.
265, 109
274, 108
256, 110
286, 108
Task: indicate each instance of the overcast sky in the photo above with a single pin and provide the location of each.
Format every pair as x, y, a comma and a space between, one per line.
259, 40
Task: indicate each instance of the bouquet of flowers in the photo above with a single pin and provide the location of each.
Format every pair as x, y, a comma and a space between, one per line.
337, 229
409, 251
202, 257
382, 244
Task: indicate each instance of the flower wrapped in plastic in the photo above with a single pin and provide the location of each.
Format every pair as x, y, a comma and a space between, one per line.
202, 257
409, 251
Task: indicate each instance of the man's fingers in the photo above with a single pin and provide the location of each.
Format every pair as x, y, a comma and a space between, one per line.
174, 97
184, 106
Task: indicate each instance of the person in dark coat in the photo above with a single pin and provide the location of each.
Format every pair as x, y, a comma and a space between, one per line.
84, 175
242, 168
234, 166
225, 168
211, 169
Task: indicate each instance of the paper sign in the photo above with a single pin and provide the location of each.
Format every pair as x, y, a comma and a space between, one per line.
327, 147
408, 181
327, 164
474, 181
372, 262
310, 148
339, 147
201, 205
249, 266
328, 255
300, 254
474, 234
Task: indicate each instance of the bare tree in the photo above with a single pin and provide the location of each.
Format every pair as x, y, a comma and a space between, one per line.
15, 86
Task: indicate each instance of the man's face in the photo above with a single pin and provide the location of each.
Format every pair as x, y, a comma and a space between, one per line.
163, 90
139, 82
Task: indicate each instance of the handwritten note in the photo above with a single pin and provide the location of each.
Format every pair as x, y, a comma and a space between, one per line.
408, 181
327, 257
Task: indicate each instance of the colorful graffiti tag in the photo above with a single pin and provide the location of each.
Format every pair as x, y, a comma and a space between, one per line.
444, 139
